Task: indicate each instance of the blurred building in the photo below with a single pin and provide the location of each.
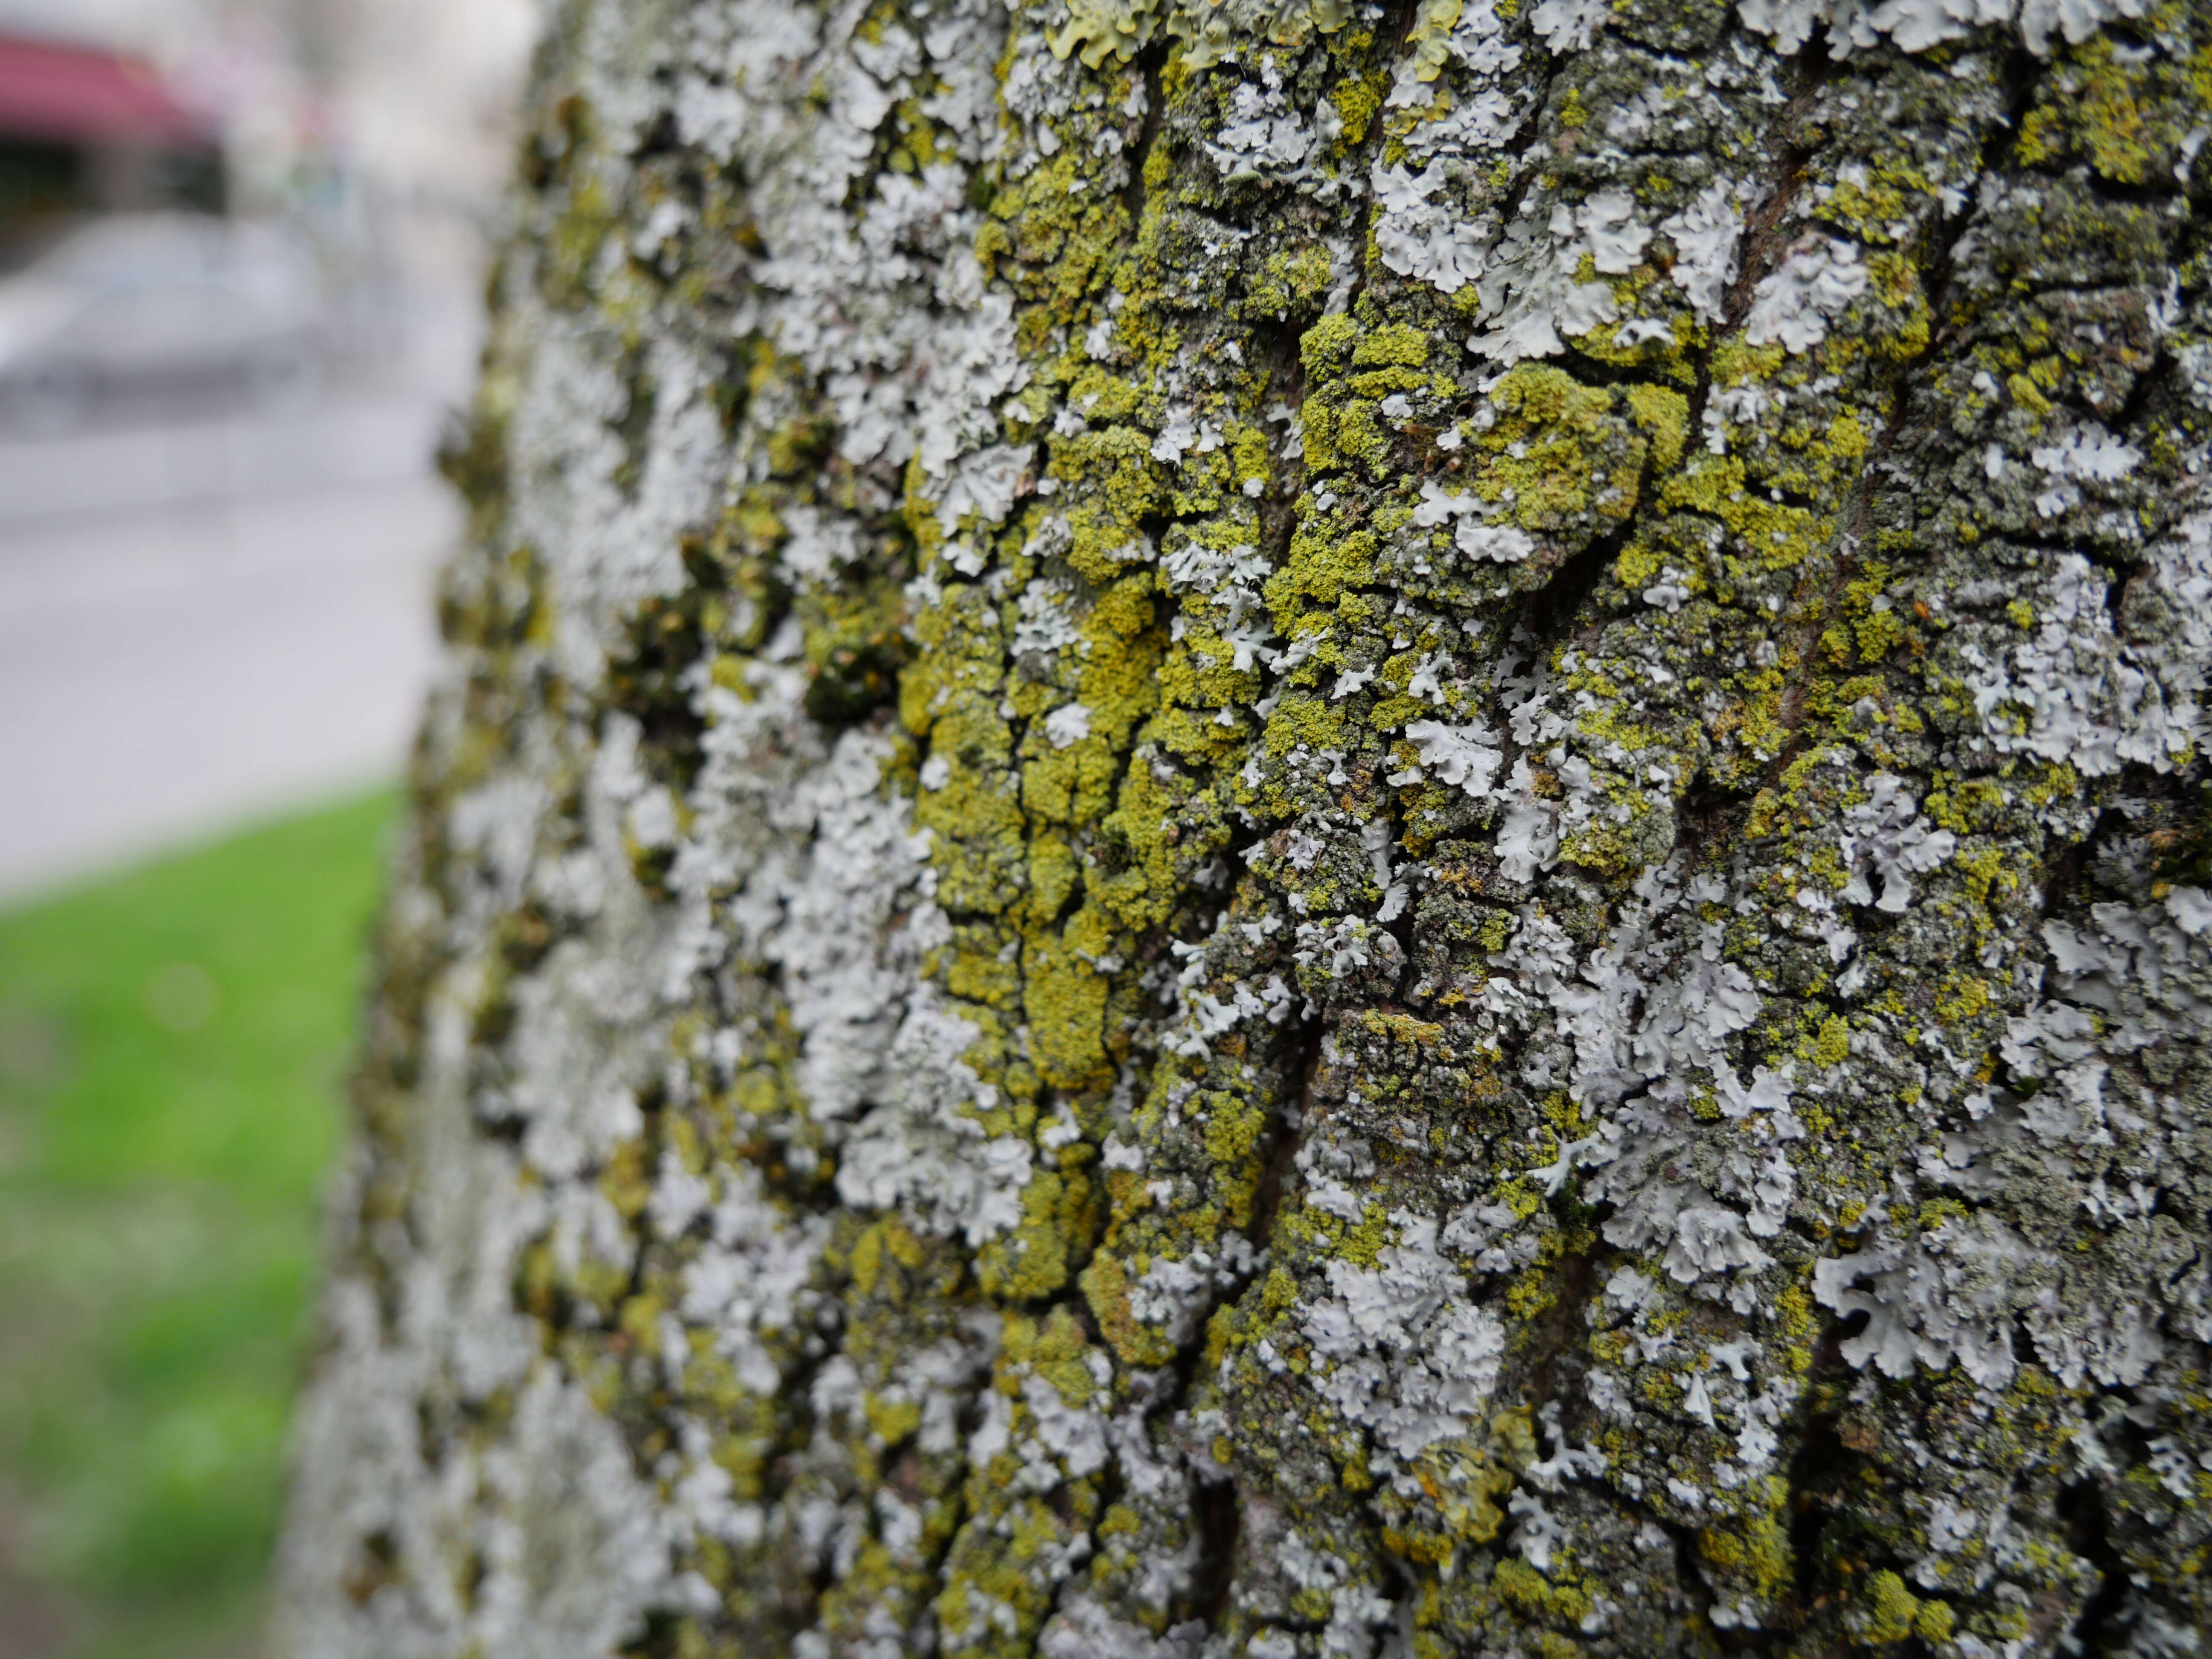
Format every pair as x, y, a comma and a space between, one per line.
86, 130
382, 122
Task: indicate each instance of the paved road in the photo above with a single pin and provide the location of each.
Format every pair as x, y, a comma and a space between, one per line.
207, 620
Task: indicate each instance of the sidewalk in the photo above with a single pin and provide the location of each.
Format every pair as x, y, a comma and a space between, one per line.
209, 620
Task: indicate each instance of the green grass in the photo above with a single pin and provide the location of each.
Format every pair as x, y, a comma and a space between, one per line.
173, 1043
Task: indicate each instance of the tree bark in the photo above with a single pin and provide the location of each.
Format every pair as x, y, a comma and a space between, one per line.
1289, 828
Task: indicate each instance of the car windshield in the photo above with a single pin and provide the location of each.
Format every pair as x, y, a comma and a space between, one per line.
170, 250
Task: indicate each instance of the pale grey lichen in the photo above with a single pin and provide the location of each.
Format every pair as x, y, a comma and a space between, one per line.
2084, 691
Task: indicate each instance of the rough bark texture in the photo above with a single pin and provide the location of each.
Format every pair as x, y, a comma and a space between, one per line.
1287, 828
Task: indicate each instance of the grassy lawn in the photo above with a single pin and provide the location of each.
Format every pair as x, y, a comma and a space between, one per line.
171, 1046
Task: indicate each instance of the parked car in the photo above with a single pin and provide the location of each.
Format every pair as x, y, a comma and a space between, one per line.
159, 302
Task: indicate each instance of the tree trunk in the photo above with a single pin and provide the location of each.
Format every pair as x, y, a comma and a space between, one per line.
1289, 828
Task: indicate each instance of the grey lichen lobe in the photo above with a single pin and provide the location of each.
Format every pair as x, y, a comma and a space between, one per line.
1307, 829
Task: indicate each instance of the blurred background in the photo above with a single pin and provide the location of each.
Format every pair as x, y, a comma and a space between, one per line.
241, 256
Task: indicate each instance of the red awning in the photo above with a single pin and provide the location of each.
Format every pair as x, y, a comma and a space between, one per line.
73, 94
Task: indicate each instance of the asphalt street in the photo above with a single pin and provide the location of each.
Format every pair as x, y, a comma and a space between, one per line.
209, 619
